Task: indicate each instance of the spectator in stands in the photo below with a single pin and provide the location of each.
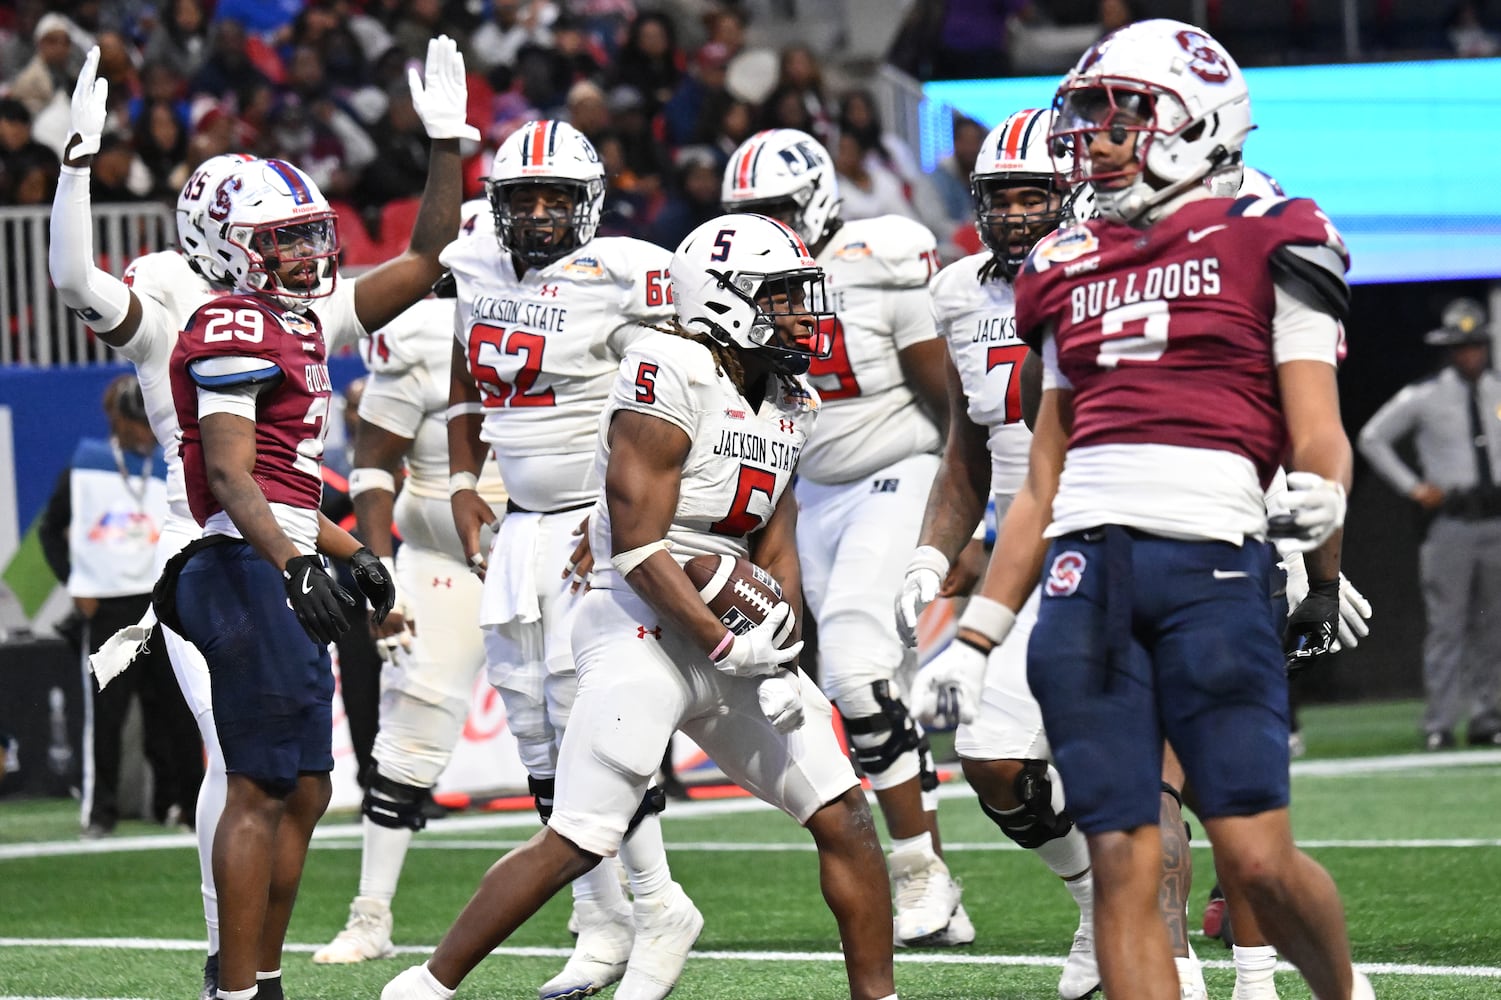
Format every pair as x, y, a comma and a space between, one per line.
645, 156
228, 70
421, 21
19, 152
512, 24
650, 61
694, 199
117, 175
162, 145
180, 38
1468, 34
399, 169
731, 123
99, 535
683, 115
785, 108
160, 81
886, 152
117, 65
867, 188
972, 37
51, 72
588, 109
260, 17
1115, 14
951, 179
31, 177
727, 27
798, 72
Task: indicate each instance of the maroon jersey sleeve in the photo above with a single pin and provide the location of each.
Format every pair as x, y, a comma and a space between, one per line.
291, 407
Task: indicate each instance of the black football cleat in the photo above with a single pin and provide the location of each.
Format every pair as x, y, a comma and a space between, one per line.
210, 978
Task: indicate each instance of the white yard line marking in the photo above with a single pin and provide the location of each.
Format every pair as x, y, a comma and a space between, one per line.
808, 847
908, 958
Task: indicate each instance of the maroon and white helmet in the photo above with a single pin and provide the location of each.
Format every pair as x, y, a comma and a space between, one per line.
261, 213
192, 201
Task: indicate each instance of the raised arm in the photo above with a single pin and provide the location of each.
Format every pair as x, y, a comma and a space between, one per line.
439, 98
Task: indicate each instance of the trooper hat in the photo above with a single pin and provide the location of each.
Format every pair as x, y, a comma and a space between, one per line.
1464, 323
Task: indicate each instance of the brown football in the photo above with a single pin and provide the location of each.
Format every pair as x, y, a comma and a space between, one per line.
740, 593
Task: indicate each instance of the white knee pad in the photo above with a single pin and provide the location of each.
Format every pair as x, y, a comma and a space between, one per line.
536, 740
416, 738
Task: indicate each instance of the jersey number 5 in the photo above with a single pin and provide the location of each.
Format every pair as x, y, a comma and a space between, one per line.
740, 522
490, 347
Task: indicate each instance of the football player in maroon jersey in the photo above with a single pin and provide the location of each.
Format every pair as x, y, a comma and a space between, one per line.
1189, 347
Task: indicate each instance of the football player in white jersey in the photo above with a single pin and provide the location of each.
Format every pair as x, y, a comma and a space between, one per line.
1018, 199
651, 657
861, 488
428, 679
142, 315
545, 313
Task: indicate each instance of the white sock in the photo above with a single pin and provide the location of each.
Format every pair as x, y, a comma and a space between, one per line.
645, 859
211, 916
238, 994
206, 815
1254, 965
600, 885
431, 982
922, 842
1067, 856
1082, 889
381, 859
1191, 972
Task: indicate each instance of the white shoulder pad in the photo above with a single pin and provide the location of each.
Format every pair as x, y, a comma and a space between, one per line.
890, 251
167, 277
958, 276
625, 259
421, 337
688, 357
475, 216
468, 253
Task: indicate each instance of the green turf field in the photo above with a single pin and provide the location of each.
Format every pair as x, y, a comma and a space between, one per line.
1414, 842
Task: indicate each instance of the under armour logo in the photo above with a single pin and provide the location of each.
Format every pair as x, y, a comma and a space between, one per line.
551, 291
642, 632
786, 425
443, 581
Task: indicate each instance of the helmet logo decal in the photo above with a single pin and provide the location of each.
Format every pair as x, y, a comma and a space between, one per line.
219, 210
800, 158
1206, 62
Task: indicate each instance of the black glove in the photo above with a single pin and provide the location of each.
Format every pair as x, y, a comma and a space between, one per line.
374, 582
1313, 626
312, 593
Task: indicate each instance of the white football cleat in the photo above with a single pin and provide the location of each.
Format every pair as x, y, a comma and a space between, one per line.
1263, 989
1362, 989
1081, 972
925, 896
367, 935
1191, 978
415, 983
599, 956
666, 928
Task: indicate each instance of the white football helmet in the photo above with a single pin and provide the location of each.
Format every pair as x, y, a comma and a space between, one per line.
787, 175
1176, 90
734, 276
550, 154
1017, 153
192, 200
267, 214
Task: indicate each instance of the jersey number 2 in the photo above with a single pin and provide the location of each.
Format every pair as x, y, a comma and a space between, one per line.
487, 345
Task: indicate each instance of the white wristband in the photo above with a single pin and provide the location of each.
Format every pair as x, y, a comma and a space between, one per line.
364, 480
992, 619
464, 410
627, 561
458, 482
928, 557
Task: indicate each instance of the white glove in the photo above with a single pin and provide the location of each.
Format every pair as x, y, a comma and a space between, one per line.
442, 101
1297, 580
755, 654
947, 689
90, 94
1316, 508
1354, 613
925, 572
781, 699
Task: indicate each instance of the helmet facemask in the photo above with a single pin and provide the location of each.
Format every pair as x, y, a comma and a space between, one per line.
792, 322
1009, 235
562, 229
294, 261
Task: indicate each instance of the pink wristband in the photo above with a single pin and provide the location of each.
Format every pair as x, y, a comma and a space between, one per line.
723, 647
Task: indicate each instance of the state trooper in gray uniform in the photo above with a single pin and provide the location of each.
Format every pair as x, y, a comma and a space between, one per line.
1454, 420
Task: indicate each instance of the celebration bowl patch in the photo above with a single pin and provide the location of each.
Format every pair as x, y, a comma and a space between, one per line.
1068, 244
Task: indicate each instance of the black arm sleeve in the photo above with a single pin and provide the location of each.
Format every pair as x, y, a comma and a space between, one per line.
53, 529
1315, 276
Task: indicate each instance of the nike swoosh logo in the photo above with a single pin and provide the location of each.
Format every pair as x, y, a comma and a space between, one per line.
1230, 574
1195, 235
307, 582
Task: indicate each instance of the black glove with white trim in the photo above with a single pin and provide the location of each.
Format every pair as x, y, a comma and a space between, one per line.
1313, 627
374, 582
319, 602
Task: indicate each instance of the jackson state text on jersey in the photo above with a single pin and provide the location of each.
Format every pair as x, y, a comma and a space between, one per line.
544, 349
876, 271
291, 415
979, 323
741, 458
1164, 334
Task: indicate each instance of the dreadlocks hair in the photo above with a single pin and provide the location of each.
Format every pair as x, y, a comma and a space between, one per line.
726, 360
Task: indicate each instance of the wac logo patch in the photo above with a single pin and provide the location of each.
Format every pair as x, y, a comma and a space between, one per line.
1066, 573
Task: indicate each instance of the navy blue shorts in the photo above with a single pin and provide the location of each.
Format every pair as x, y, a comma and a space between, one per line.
1141, 638
272, 685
